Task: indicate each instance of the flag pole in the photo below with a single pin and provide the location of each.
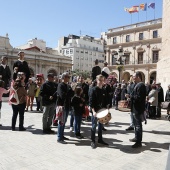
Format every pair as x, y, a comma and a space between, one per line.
131, 17
138, 16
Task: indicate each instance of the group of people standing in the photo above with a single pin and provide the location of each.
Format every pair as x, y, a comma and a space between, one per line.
58, 99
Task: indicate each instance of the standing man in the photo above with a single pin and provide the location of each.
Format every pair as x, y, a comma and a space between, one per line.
5, 72
96, 70
65, 93
138, 98
21, 66
97, 100
160, 99
48, 93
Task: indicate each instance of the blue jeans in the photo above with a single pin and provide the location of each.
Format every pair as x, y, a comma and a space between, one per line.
138, 127
131, 120
77, 124
48, 114
62, 126
93, 130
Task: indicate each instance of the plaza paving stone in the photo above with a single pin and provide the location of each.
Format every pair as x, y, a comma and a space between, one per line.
32, 150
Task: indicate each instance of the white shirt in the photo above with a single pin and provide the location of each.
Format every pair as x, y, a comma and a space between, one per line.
4, 66
106, 70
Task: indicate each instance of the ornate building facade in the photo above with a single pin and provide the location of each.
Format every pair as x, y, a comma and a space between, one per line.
40, 58
141, 44
163, 66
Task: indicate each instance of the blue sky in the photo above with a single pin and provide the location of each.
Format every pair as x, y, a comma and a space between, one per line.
51, 19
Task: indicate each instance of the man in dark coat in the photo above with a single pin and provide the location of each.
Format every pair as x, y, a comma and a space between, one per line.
138, 98
96, 70
5, 72
160, 99
48, 93
98, 99
21, 66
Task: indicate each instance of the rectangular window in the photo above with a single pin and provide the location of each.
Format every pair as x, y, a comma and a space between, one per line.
140, 58
127, 60
67, 51
140, 36
82, 51
155, 34
71, 51
114, 40
127, 38
86, 52
77, 51
155, 56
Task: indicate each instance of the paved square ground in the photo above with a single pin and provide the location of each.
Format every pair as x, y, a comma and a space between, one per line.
32, 150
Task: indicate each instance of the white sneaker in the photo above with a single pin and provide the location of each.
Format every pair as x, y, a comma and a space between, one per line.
71, 129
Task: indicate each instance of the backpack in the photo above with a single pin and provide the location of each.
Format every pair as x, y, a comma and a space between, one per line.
13, 99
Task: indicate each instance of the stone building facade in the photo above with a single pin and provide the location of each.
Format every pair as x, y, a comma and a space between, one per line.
83, 50
141, 44
39, 61
163, 66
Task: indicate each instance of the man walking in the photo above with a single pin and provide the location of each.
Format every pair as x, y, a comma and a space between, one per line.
138, 98
48, 93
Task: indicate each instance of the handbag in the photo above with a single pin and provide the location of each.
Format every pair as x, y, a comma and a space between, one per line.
13, 98
86, 112
165, 105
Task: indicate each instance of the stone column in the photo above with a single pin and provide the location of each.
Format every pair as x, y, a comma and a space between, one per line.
163, 66
108, 56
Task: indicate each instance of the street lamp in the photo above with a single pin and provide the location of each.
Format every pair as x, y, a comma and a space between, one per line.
120, 59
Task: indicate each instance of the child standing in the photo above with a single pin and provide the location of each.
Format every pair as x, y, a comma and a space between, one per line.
78, 110
2, 91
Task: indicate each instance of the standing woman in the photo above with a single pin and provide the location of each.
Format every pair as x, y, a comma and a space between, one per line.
20, 108
153, 100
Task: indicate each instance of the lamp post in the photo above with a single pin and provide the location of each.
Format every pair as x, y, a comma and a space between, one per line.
120, 59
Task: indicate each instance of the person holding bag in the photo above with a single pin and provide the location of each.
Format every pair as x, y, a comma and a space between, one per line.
19, 107
153, 100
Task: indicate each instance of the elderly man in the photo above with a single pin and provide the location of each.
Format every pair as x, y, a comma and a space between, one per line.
48, 93
64, 93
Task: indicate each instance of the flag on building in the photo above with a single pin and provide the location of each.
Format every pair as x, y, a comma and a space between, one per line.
151, 5
143, 7
126, 9
134, 9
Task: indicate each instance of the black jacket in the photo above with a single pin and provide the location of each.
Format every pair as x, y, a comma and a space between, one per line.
160, 94
96, 70
98, 98
167, 97
85, 88
123, 92
138, 98
22, 67
75, 103
48, 89
6, 75
64, 95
